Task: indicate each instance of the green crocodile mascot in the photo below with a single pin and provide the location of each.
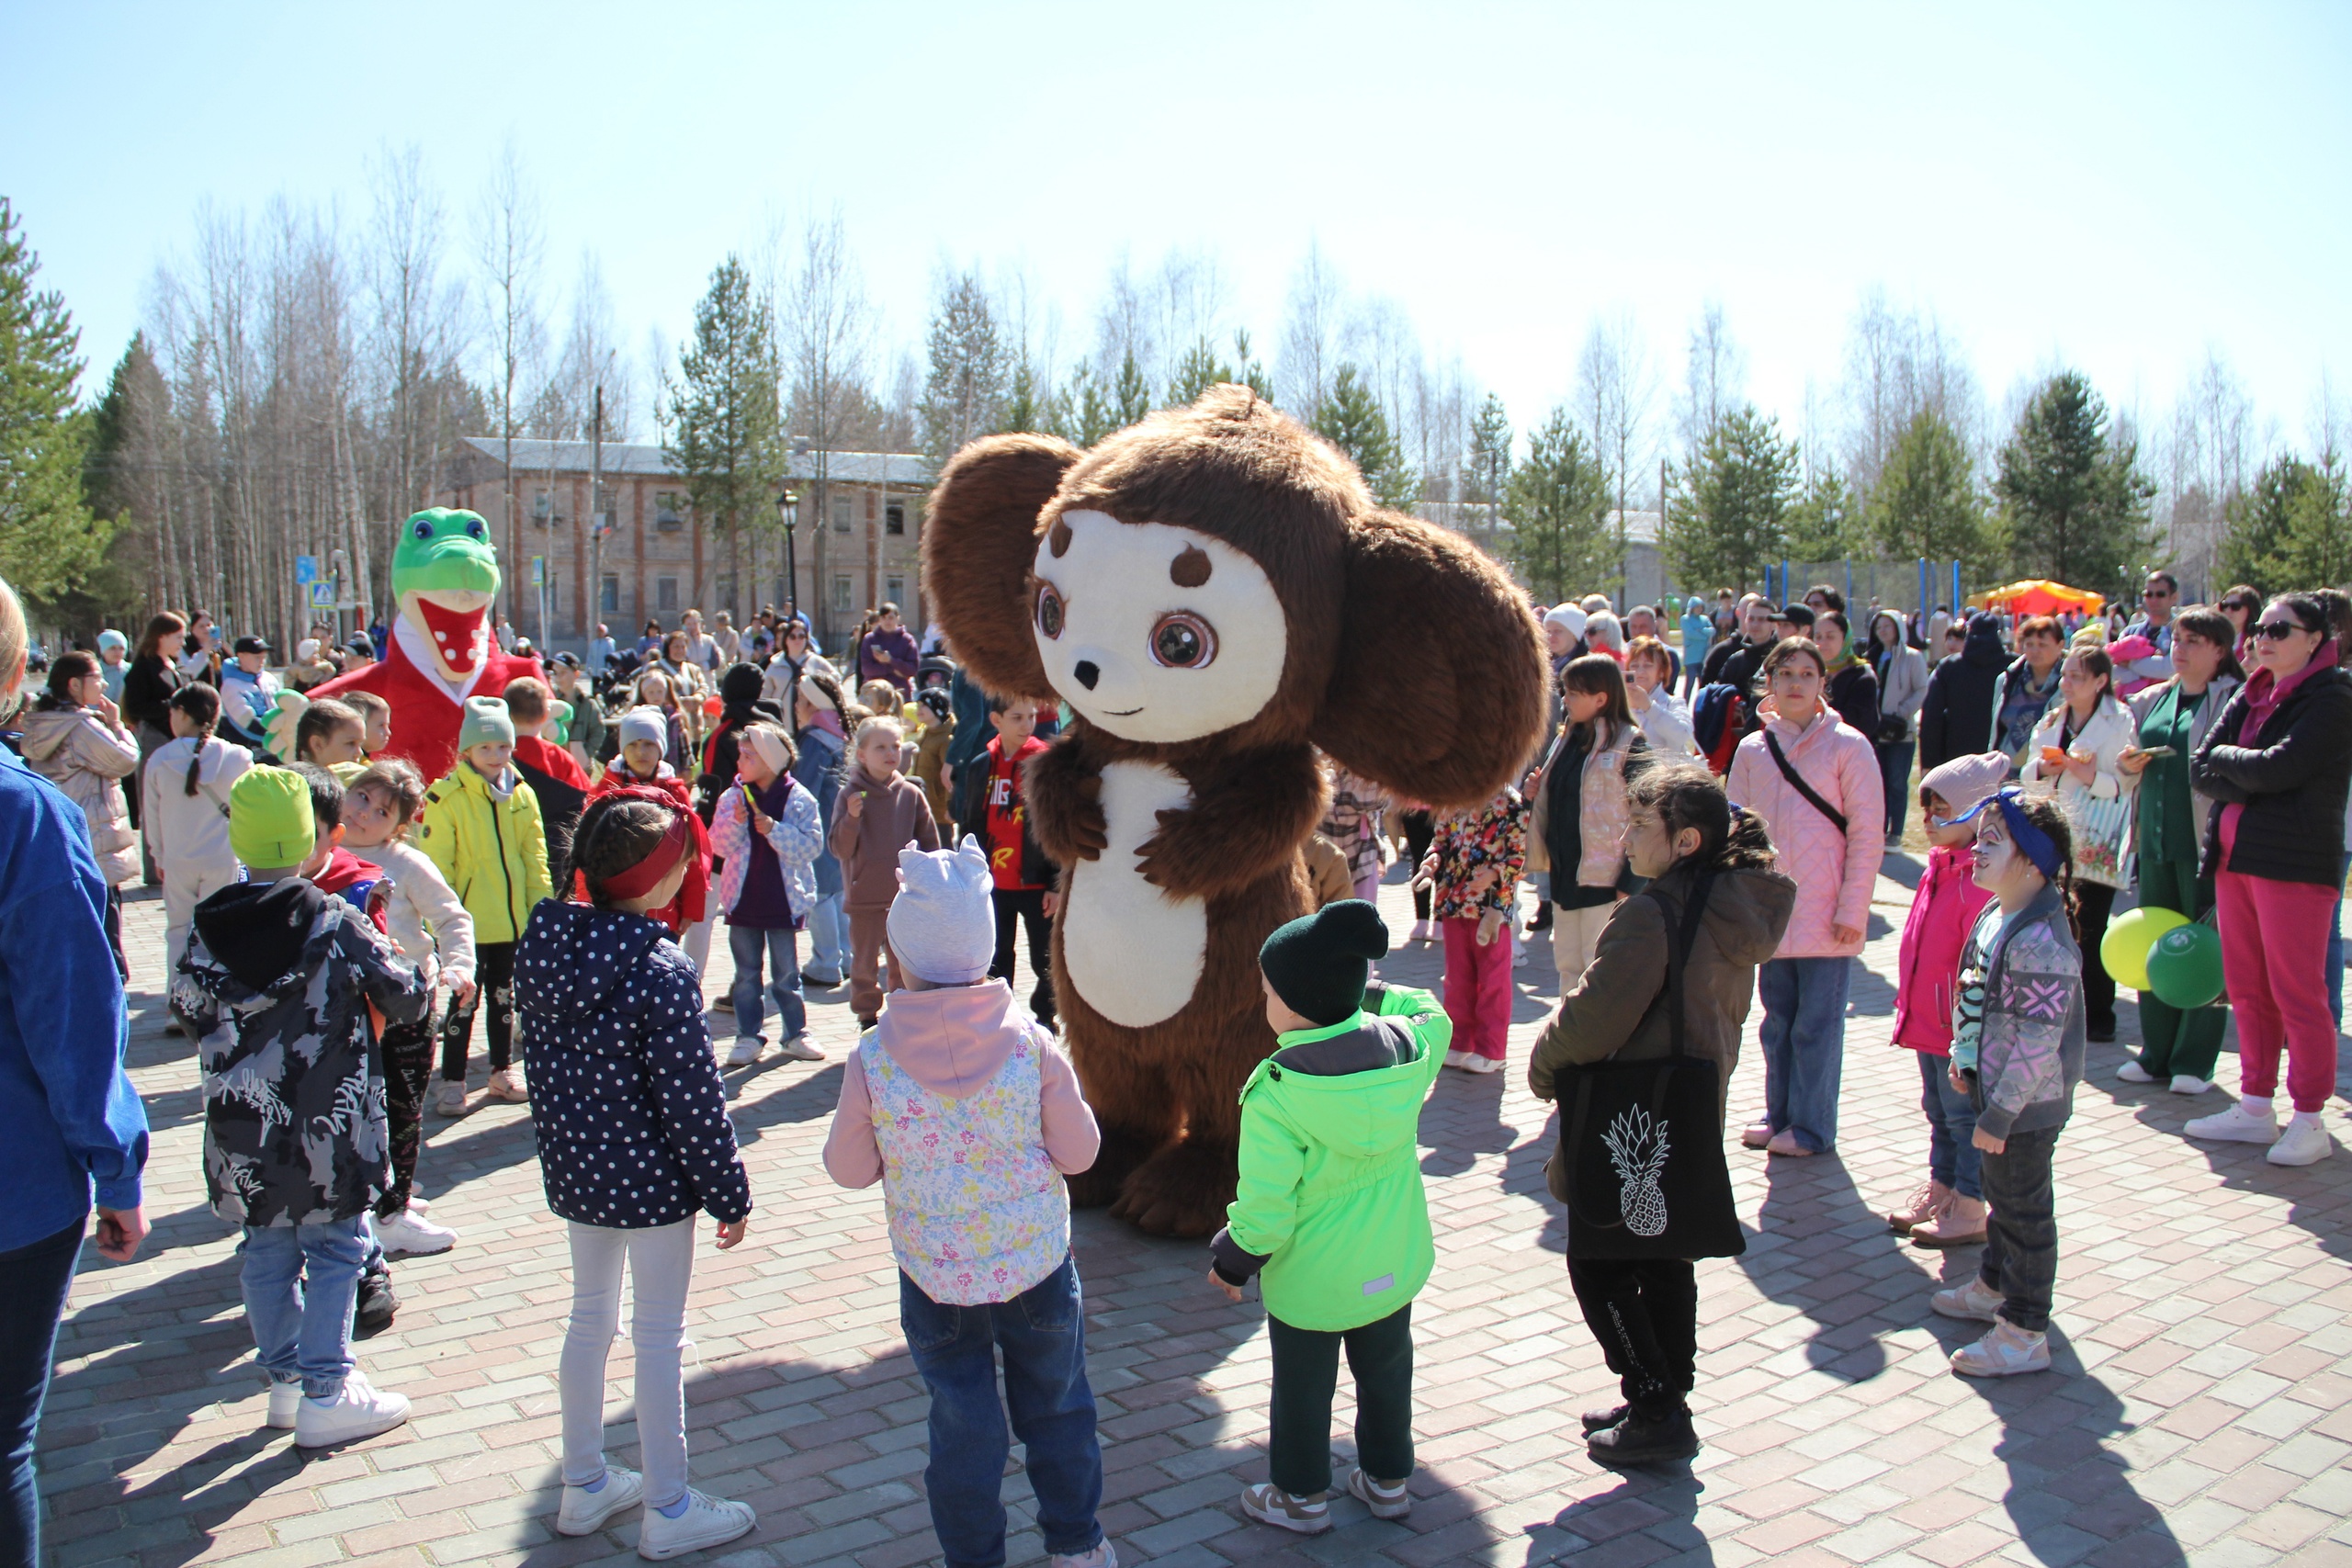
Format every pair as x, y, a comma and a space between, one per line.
445, 576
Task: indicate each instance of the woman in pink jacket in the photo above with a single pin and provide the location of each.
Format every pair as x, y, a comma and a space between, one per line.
1815, 781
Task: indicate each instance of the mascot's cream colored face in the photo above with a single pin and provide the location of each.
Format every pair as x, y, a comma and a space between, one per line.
1156, 632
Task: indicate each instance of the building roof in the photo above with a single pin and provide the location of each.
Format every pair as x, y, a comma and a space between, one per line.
911, 469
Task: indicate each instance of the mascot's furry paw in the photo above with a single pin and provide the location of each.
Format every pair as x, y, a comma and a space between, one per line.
1121, 1153
1180, 1191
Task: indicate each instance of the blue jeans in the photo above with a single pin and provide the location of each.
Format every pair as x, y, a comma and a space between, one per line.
1042, 1333
1804, 1046
1953, 1158
302, 1329
34, 1281
1894, 776
829, 938
2335, 948
784, 978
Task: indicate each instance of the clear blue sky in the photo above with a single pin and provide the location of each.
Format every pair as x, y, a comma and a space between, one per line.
2117, 186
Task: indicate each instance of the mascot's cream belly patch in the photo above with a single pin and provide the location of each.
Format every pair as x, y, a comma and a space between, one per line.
1134, 953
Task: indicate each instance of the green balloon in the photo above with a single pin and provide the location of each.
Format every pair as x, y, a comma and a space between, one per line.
2124, 948
2184, 967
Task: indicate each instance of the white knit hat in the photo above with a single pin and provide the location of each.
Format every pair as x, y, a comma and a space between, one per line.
1567, 617
646, 723
942, 923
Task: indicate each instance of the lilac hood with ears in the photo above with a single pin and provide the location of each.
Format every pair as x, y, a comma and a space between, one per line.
942, 923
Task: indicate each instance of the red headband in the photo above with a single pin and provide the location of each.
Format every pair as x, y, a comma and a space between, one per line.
647, 874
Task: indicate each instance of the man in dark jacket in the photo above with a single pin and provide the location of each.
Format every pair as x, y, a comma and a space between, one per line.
1735, 662
1957, 713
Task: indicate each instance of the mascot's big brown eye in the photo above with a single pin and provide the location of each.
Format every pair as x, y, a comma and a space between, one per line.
1049, 610
1182, 640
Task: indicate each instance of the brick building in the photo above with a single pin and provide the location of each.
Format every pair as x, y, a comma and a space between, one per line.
855, 543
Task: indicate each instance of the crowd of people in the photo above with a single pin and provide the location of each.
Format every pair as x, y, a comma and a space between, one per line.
1703, 826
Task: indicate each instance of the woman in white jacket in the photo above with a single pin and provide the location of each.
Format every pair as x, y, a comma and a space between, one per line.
1664, 718
1902, 688
183, 811
427, 922
2076, 749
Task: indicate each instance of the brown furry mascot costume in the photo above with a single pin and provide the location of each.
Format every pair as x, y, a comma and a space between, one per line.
1215, 596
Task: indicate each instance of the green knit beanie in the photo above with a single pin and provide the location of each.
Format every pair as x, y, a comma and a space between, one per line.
486, 722
1318, 963
270, 824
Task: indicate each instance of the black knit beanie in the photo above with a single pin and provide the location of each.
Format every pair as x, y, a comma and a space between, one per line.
1318, 963
740, 683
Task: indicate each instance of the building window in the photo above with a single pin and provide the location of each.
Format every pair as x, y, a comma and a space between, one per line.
840, 514
840, 595
894, 521
608, 598
895, 589
542, 507
668, 511
665, 592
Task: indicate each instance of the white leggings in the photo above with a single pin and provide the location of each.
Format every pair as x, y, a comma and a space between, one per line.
696, 941
184, 888
661, 1265
1576, 937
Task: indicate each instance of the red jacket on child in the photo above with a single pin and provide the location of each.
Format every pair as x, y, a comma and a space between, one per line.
1943, 912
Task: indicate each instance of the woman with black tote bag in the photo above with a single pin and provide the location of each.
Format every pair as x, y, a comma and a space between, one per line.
1639, 1057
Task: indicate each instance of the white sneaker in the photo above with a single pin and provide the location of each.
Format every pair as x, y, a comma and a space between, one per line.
359, 1411
1386, 1500
2188, 1083
285, 1403
1975, 1299
746, 1051
2132, 1072
2004, 1353
1457, 1058
800, 1050
450, 1098
410, 1235
1102, 1555
2303, 1143
1423, 931
1519, 955
1270, 1505
1477, 1064
2235, 1125
708, 1521
585, 1512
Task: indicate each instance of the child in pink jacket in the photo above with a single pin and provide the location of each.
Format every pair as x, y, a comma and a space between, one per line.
1815, 781
1949, 1210
970, 1115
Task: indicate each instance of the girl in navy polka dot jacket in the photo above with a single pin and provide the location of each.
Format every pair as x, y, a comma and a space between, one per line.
634, 1138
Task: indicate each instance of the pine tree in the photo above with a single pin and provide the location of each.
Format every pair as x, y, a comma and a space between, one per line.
1489, 465
1130, 394
1024, 408
49, 541
721, 419
1821, 523
1926, 505
2074, 501
963, 398
1249, 370
2290, 529
1557, 505
1728, 512
1351, 420
1196, 372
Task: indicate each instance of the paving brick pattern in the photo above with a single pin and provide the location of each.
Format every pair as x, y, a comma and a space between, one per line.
2200, 1410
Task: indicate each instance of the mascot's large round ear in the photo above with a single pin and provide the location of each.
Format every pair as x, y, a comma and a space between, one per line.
1440, 689
980, 538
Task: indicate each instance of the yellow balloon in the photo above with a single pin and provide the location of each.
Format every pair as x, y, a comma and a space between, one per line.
2124, 948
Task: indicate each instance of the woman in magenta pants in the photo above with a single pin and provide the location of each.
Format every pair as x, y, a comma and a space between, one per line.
2278, 763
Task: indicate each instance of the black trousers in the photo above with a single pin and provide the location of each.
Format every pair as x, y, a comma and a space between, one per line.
494, 970
2094, 902
2021, 1231
1645, 1315
1026, 908
1421, 828
408, 1068
1306, 1373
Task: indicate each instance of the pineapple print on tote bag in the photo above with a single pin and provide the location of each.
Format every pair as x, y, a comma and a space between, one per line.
1637, 1147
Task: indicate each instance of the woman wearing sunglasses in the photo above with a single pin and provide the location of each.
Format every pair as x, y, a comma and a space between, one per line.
2278, 763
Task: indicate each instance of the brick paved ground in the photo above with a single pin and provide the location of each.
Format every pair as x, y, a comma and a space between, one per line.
2201, 1411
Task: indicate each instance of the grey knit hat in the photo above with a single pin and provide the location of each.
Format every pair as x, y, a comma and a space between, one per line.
486, 723
942, 923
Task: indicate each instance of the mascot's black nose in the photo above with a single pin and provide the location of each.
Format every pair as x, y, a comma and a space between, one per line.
1087, 673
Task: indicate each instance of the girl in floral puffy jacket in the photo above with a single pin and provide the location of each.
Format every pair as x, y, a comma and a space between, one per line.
1473, 867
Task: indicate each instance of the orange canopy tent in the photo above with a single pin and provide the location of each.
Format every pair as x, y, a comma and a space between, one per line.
2038, 596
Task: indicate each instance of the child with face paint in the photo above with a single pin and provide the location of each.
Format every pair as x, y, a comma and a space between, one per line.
2017, 1052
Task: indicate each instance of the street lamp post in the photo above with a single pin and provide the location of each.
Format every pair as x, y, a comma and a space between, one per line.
787, 512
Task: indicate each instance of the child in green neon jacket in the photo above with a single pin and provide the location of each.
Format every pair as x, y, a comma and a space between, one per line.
1331, 1212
